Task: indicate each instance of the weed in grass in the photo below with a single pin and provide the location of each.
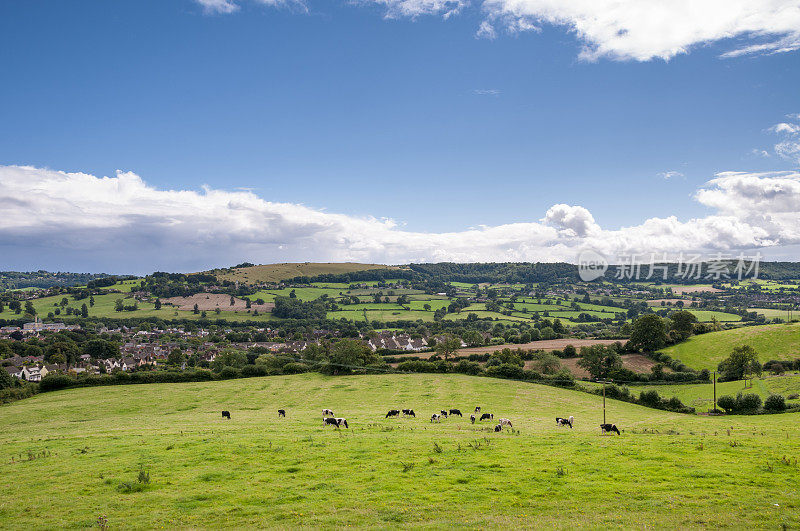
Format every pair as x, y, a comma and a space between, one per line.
437, 448
102, 522
560, 472
734, 444
407, 466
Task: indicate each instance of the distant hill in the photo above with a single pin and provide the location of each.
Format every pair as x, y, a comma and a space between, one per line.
771, 342
13, 280
279, 272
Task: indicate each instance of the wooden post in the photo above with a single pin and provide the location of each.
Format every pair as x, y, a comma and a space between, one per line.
715, 391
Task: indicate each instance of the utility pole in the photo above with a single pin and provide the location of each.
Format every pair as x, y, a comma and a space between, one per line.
715, 391
604, 382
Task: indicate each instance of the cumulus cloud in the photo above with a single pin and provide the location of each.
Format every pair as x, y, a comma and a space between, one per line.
57, 219
789, 145
646, 29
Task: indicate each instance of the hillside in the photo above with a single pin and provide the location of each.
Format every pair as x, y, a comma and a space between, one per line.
279, 272
257, 470
772, 342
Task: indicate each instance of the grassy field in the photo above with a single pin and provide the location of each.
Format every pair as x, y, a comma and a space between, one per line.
65, 455
700, 396
705, 316
772, 342
278, 272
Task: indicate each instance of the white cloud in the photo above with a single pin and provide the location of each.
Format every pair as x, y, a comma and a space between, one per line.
486, 31
670, 174
646, 29
789, 146
230, 6
415, 8
57, 219
486, 92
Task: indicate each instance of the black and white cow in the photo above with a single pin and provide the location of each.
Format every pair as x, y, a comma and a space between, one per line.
409, 413
477, 409
456, 412
608, 428
226, 415
487, 416
327, 412
443, 413
499, 427
564, 422
472, 419
506, 422
330, 421
281, 413
393, 413
342, 422
436, 417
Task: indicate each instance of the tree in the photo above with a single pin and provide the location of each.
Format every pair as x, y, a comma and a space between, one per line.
84, 311
649, 333
91, 300
349, 355
447, 346
233, 300
775, 403
6, 380
175, 357
62, 352
600, 361
196, 309
683, 323
292, 295
741, 363
64, 302
29, 309
426, 307
101, 349
119, 305
157, 304
229, 358
472, 338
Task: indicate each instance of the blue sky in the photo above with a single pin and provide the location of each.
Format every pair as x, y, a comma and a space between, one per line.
354, 109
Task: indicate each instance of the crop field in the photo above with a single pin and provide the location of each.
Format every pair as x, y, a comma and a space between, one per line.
705, 316
72, 456
772, 342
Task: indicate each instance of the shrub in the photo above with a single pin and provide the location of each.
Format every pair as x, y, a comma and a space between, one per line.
295, 368
254, 370
775, 403
748, 403
53, 382
728, 403
650, 398
506, 370
228, 372
468, 367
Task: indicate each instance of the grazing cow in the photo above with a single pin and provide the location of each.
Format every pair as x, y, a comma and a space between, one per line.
608, 428
393, 413
456, 412
506, 422
487, 416
564, 422
409, 412
330, 421
477, 409
327, 412
499, 427
436, 417
340, 422
472, 419
443, 413
281, 413
226, 415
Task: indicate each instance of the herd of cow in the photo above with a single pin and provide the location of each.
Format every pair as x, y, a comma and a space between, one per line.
329, 419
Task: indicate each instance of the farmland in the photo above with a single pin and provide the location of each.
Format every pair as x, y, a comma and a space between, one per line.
257, 470
278, 272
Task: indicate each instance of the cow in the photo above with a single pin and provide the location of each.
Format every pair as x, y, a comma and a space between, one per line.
443, 413
327, 412
226, 415
477, 409
339, 423
436, 417
456, 412
393, 413
472, 419
499, 427
564, 422
330, 421
608, 428
487, 416
409, 412
506, 422
281, 413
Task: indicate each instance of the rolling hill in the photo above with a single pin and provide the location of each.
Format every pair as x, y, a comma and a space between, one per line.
772, 342
279, 272
160, 455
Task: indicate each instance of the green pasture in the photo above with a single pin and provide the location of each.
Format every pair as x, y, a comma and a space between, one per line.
771, 342
705, 316
70, 457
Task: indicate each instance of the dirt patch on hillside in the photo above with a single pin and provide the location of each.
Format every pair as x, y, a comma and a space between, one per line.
211, 301
683, 290
634, 362
549, 344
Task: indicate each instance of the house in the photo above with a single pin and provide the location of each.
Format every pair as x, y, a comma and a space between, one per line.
32, 374
16, 372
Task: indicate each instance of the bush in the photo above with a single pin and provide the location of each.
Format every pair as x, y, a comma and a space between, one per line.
749, 403
228, 372
53, 382
295, 368
728, 403
775, 403
254, 370
650, 398
506, 370
468, 367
